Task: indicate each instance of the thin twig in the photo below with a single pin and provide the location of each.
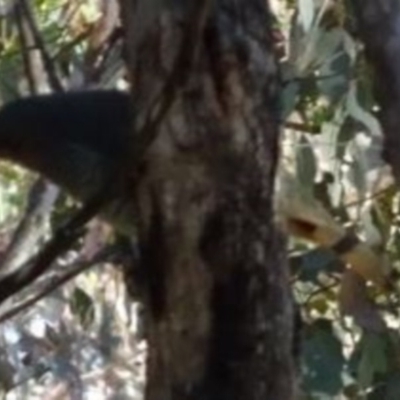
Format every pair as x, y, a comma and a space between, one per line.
107, 254
368, 198
61, 241
48, 64
26, 44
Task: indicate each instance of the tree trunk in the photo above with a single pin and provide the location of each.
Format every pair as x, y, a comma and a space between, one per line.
205, 89
378, 23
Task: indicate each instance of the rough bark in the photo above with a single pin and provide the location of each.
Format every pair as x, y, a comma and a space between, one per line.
220, 316
379, 27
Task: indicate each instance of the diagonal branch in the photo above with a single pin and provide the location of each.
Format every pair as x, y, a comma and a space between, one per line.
47, 62
107, 254
61, 241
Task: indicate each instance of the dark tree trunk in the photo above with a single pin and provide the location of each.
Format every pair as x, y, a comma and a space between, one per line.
205, 92
379, 27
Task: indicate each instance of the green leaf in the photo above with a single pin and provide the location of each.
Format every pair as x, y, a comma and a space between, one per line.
306, 165
82, 306
392, 387
289, 98
333, 80
327, 47
309, 265
323, 360
373, 359
306, 13
360, 114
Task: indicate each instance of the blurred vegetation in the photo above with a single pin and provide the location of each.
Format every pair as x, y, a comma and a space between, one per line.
81, 340
332, 144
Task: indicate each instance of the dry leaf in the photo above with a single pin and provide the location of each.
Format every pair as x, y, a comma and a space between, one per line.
354, 301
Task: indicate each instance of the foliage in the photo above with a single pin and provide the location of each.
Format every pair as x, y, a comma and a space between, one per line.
81, 341
331, 145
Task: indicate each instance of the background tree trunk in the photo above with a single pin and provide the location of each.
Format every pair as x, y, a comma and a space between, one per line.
378, 24
205, 91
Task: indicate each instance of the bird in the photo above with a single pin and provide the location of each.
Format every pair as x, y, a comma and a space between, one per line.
75, 139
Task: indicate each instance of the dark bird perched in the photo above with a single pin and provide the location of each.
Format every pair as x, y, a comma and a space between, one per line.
75, 139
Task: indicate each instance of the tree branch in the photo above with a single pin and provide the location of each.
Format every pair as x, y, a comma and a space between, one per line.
61, 241
107, 254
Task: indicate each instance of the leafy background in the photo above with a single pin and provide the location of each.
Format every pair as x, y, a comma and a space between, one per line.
83, 340
332, 143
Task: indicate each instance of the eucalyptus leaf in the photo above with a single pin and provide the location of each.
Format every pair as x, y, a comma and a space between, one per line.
360, 114
306, 13
323, 360
82, 306
289, 97
309, 265
306, 164
373, 359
